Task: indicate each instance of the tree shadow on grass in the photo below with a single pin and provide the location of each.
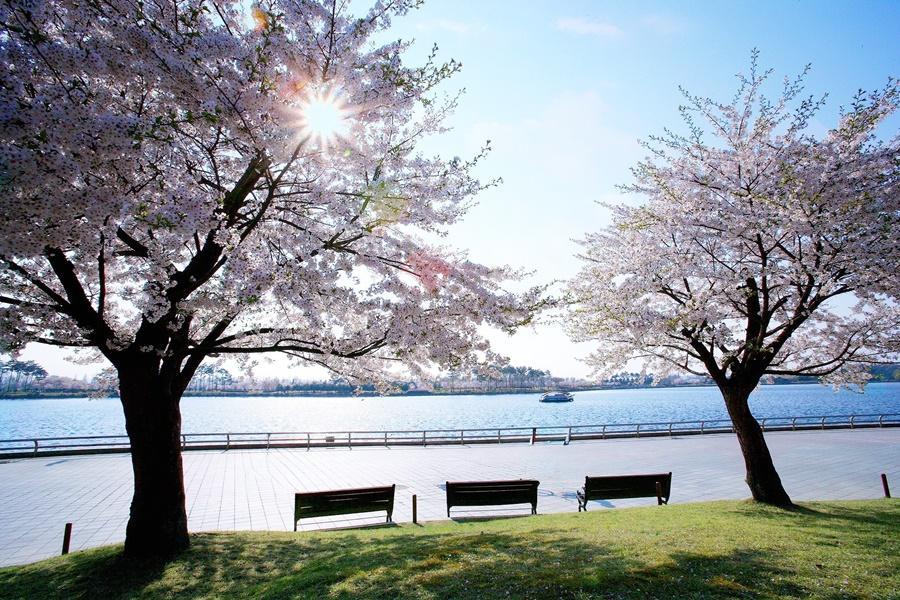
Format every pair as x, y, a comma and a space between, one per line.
857, 517
99, 573
483, 518
834, 524
402, 565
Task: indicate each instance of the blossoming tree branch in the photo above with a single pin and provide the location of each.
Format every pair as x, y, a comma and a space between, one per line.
761, 250
193, 178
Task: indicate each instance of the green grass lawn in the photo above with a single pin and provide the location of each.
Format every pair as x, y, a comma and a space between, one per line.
711, 550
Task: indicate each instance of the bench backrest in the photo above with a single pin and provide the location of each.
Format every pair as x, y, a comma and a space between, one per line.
628, 486
341, 502
491, 493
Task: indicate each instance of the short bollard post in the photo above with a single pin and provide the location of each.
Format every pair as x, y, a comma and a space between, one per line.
884, 484
415, 512
67, 537
533, 435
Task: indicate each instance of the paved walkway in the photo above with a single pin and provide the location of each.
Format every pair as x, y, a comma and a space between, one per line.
253, 489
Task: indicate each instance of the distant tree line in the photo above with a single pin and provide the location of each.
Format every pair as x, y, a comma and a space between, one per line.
20, 377
503, 378
885, 372
629, 380
211, 378
17, 375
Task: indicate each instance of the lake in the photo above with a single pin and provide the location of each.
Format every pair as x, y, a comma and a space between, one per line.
82, 416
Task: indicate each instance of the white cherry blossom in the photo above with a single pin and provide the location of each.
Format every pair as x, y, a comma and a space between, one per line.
759, 250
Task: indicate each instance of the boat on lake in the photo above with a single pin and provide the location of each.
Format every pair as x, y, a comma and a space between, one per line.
557, 397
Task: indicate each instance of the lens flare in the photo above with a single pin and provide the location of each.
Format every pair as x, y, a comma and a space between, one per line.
323, 117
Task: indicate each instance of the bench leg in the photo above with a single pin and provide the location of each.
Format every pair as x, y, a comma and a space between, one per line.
534, 509
295, 525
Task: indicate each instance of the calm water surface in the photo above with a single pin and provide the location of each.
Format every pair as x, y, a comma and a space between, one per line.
83, 416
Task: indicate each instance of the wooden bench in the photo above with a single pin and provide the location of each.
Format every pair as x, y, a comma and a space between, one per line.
492, 493
342, 502
657, 485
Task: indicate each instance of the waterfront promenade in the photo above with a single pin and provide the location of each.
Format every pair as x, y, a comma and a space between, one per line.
253, 489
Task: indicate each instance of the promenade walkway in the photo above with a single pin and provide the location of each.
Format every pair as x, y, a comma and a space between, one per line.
253, 489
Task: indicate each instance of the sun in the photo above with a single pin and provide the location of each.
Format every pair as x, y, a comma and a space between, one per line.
323, 117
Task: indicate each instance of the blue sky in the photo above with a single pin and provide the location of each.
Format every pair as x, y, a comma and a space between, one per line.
565, 89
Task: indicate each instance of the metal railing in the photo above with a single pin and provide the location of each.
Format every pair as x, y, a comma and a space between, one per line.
95, 444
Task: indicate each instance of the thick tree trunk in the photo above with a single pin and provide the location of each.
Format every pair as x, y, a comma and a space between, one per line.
765, 484
157, 526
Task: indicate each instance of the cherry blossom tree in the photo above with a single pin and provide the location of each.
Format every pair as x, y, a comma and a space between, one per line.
194, 178
760, 250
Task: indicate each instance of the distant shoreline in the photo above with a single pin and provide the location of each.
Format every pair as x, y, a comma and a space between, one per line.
78, 394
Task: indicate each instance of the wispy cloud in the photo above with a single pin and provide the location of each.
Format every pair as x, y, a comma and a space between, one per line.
453, 26
664, 24
589, 27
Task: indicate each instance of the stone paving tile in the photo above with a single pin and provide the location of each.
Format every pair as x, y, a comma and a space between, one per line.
253, 489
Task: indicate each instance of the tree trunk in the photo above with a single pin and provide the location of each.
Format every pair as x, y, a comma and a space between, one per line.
765, 484
157, 526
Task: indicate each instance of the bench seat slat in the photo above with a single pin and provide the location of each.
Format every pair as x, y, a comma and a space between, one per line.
492, 498
625, 486
492, 493
340, 502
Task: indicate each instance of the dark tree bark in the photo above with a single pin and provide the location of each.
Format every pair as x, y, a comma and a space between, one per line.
762, 478
157, 526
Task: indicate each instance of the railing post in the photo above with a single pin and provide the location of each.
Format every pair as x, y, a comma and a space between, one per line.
881, 420
461, 436
35, 447
823, 422
533, 435
852, 417
67, 537
414, 510
794, 424
349, 439
385, 439
670, 429
763, 424
702, 423
568, 436
423, 438
183, 441
268, 440
637, 430
307, 440
603, 433
227, 441
498, 436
